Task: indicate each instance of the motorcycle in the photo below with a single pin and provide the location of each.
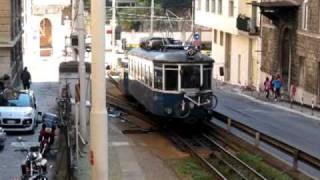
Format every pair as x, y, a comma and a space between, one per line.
34, 166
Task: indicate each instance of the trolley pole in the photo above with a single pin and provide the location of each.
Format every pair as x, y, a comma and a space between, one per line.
82, 72
151, 18
98, 115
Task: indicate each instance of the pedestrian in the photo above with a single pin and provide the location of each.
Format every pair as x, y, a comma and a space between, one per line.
272, 85
25, 78
267, 87
277, 87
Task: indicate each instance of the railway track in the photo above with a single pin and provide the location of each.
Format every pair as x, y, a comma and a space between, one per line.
208, 151
217, 159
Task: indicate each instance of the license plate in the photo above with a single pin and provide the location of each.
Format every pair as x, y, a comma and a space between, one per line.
11, 122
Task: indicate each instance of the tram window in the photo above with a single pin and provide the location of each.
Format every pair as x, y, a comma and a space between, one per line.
207, 78
150, 77
171, 77
190, 77
171, 66
158, 79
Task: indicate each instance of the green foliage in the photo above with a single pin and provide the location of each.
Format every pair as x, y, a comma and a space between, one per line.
190, 169
266, 170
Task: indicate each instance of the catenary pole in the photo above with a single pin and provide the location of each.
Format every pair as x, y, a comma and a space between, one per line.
82, 72
114, 25
98, 116
151, 18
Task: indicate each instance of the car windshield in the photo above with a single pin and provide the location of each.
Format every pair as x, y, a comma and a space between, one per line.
23, 100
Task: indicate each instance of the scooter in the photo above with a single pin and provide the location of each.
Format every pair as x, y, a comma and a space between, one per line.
45, 146
34, 166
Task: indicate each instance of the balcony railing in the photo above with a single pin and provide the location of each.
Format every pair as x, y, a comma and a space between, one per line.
246, 24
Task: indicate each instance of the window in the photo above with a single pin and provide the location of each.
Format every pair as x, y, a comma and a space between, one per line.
213, 6
190, 77
171, 80
23, 100
219, 6
158, 78
221, 38
171, 77
207, 5
199, 5
231, 8
215, 33
207, 77
305, 14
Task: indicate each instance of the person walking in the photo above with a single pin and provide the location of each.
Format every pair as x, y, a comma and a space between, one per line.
277, 87
267, 87
25, 78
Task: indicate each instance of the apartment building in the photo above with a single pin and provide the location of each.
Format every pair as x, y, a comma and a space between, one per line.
291, 46
10, 39
235, 39
46, 23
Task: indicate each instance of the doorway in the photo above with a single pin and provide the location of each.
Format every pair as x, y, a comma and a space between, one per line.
45, 37
285, 44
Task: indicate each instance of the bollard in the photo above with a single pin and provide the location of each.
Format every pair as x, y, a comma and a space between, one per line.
257, 139
312, 106
291, 102
229, 124
302, 103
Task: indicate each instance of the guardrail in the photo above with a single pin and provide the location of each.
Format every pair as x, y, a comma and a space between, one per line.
296, 153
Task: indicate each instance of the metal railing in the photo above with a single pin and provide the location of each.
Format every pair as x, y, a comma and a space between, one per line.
296, 153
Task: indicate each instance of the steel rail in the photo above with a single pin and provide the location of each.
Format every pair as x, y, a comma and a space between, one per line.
203, 161
296, 153
234, 157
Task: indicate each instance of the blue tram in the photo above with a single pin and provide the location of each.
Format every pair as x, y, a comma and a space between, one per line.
169, 81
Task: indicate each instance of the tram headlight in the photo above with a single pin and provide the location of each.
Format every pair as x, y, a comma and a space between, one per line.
191, 105
168, 110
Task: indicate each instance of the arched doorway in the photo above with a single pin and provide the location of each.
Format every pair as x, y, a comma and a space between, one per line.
285, 58
45, 37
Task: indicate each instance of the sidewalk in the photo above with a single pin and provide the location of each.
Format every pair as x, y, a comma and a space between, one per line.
284, 103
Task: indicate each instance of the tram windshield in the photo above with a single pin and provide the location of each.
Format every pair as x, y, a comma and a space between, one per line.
190, 77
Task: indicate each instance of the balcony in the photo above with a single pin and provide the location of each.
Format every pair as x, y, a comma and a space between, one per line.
247, 25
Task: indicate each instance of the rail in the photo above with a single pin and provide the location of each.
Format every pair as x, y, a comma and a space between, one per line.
296, 153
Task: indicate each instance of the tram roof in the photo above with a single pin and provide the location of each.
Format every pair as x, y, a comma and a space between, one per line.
170, 56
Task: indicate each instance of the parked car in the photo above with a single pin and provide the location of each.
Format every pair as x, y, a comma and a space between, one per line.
3, 137
18, 112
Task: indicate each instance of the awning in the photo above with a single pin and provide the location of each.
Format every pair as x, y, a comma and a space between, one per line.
277, 4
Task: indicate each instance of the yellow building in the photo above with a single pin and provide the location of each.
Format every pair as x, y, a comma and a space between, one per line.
10, 39
235, 39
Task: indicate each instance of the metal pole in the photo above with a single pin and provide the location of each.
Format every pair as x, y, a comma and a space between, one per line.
82, 71
98, 116
192, 16
76, 108
151, 18
114, 26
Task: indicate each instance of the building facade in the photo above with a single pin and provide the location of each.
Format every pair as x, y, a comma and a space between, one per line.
235, 39
11, 60
46, 25
291, 46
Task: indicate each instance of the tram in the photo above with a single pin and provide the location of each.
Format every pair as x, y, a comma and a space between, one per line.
170, 80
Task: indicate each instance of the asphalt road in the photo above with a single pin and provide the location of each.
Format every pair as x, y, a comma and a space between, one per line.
292, 128
10, 160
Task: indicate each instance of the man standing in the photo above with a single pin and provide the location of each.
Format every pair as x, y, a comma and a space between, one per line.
25, 78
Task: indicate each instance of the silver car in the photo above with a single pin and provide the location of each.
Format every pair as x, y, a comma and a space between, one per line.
3, 137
